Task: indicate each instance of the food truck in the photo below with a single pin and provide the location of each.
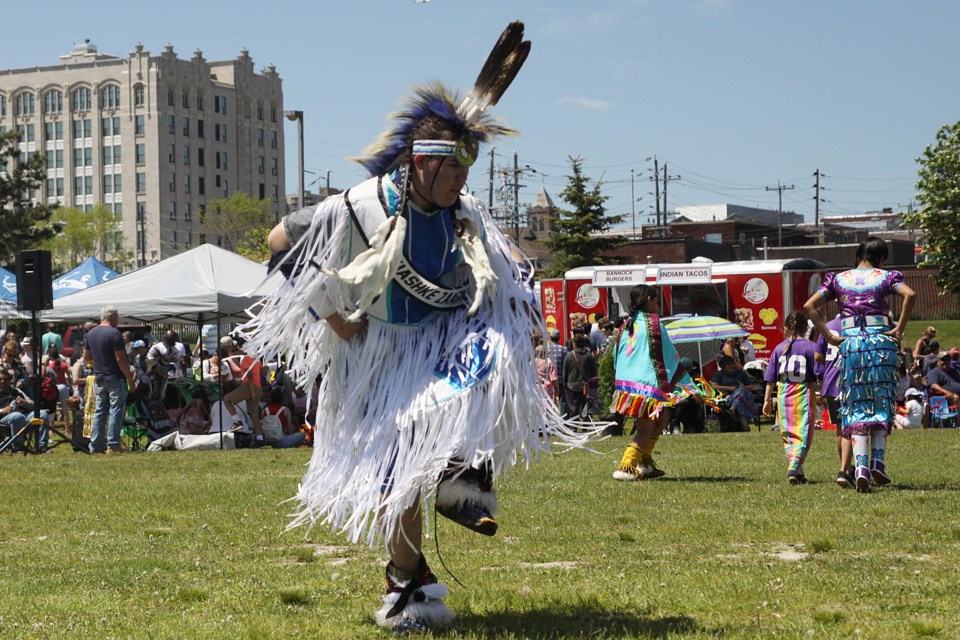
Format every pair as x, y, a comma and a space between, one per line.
757, 294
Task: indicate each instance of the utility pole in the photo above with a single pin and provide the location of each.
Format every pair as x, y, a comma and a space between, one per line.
633, 206
656, 188
909, 207
666, 178
780, 188
516, 200
816, 206
490, 199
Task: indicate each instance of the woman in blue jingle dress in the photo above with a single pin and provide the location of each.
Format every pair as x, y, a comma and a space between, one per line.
868, 352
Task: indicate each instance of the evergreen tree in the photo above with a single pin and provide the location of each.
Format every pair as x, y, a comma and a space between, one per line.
939, 216
576, 240
24, 223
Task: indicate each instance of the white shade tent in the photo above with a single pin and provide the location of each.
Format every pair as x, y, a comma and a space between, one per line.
198, 285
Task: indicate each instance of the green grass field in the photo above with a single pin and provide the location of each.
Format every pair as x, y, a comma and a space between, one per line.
192, 545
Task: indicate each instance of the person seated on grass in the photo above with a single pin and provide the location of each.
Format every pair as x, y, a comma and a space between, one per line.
910, 416
277, 407
194, 420
740, 387
226, 416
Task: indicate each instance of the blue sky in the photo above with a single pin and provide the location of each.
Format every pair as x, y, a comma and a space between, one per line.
735, 95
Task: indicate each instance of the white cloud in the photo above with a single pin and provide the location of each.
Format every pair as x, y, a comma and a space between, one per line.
586, 103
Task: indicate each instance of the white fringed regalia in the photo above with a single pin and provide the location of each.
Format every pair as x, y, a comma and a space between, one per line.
445, 369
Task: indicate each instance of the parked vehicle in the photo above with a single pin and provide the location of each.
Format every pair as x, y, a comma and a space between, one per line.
73, 338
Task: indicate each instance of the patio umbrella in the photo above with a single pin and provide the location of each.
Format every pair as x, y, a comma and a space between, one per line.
702, 329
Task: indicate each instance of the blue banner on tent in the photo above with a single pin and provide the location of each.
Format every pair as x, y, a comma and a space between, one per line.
89, 273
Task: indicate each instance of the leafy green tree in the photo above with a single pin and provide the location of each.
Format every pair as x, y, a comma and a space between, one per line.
24, 222
938, 217
577, 239
238, 222
83, 234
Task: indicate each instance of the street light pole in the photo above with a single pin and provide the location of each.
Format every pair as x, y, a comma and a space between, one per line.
298, 116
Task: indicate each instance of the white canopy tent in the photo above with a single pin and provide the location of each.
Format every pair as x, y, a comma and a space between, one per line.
204, 283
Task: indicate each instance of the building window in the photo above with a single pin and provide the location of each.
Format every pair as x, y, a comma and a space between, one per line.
216, 181
139, 128
141, 185
172, 182
186, 154
116, 154
111, 183
83, 157
107, 155
170, 101
217, 159
273, 113
199, 101
201, 185
53, 130
259, 110
53, 101
171, 124
186, 126
110, 97
273, 139
3, 106
263, 191
138, 94
199, 128
186, 183
186, 212
260, 165
200, 157
82, 129
110, 126
24, 104
225, 161
171, 153
220, 104
273, 166
259, 137
186, 99
81, 99
172, 210
141, 211
141, 153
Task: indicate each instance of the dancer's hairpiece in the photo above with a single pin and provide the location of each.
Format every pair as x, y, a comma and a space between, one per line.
467, 117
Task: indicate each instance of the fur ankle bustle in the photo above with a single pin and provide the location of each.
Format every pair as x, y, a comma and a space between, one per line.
415, 603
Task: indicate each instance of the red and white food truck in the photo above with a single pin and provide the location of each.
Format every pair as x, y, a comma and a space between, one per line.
757, 294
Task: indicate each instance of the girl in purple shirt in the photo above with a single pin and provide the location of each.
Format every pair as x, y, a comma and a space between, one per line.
868, 353
791, 371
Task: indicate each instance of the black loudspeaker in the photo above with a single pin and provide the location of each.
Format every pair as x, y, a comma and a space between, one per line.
34, 281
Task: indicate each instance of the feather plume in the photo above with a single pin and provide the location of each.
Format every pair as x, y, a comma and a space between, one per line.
501, 67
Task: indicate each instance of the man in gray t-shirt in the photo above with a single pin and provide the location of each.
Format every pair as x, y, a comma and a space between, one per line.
112, 379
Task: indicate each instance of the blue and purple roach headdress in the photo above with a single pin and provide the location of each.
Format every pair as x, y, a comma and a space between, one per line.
466, 117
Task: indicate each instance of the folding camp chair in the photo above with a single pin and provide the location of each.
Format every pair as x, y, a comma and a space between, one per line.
941, 412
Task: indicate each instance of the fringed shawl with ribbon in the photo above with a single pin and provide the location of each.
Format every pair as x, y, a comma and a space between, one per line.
647, 369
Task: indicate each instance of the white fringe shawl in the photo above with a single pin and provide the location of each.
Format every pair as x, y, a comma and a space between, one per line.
385, 428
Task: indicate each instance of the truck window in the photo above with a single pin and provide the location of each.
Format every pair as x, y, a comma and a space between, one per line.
700, 299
